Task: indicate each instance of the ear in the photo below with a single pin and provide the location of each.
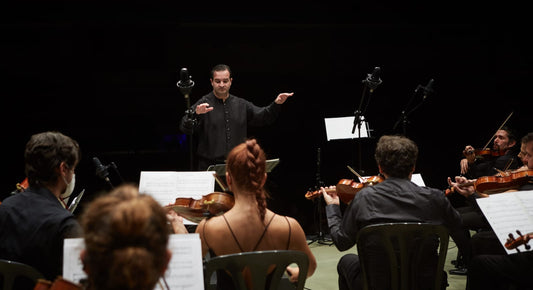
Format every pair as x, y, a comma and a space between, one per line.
512, 143
229, 181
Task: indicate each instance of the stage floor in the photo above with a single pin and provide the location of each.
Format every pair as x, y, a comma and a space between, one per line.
327, 256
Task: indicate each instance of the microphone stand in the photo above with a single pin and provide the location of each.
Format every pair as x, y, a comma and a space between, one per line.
359, 115
403, 116
185, 87
321, 237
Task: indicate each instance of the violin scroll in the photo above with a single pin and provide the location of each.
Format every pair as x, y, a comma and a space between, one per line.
513, 243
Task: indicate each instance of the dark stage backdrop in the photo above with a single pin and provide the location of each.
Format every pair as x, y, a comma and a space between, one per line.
105, 73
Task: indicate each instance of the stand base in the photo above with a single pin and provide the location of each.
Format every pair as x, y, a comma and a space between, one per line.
322, 239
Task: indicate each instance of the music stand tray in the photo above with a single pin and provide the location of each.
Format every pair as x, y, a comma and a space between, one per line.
220, 169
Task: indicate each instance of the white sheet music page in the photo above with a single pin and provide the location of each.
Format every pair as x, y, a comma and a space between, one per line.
185, 269
166, 186
72, 266
508, 212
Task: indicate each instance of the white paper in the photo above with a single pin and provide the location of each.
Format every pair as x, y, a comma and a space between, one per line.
341, 128
508, 212
185, 269
166, 186
72, 265
416, 178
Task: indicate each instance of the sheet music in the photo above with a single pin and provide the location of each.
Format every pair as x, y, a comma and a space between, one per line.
185, 269
166, 186
72, 266
508, 212
341, 128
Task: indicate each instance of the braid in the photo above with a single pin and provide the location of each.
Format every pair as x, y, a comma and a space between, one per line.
246, 163
256, 164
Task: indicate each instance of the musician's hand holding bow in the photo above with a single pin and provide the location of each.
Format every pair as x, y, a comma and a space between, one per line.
330, 196
176, 221
459, 186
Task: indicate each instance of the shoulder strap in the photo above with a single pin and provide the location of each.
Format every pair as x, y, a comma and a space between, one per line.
264, 232
234, 237
288, 240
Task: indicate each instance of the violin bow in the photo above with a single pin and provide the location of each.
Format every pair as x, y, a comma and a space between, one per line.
503, 124
354, 172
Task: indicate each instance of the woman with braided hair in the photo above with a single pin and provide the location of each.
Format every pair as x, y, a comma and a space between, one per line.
250, 225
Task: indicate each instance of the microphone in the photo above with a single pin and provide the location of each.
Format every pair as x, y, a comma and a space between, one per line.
428, 89
372, 80
101, 170
185, 81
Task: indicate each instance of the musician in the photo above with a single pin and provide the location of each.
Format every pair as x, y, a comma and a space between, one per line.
499, 270
220, 119
35, 222
249, 225
126, 241
396, 199
474, 166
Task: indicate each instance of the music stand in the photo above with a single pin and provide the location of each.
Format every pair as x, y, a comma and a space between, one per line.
220, 171
341, 128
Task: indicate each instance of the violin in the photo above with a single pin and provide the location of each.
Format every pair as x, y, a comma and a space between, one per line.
486, 152
347, 188
513, 243
499, 183
209, 205
58, 284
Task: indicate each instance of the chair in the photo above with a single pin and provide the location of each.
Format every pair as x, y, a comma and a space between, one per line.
11, 270
258, 262
403, 247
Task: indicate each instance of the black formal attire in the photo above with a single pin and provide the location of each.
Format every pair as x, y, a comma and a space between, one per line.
393, 200
499, 271
33, 226
225, 127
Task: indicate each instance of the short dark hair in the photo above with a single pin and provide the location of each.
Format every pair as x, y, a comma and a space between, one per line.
396, 155
220, 67
44, 153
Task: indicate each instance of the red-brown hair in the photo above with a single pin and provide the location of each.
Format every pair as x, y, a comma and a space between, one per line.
246, 164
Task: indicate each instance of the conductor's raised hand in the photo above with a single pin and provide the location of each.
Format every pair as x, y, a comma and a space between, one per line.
203, 108
281, 98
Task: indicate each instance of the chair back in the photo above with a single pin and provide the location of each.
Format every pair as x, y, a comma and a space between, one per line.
405, 247
258, 263
11, 270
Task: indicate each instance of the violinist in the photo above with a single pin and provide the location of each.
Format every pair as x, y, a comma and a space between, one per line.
34, 222
496, 269
473, 218
249, 225
488, 161
396, 199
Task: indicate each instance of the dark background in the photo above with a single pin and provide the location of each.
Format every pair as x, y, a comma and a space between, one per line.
105, 74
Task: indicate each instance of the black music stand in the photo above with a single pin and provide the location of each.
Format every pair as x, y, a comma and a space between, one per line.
220, 171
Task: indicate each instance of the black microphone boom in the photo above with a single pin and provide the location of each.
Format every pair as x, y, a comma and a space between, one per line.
372, 80
101, 170
428, 89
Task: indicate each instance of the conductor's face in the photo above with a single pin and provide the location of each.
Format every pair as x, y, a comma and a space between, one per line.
221, 83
